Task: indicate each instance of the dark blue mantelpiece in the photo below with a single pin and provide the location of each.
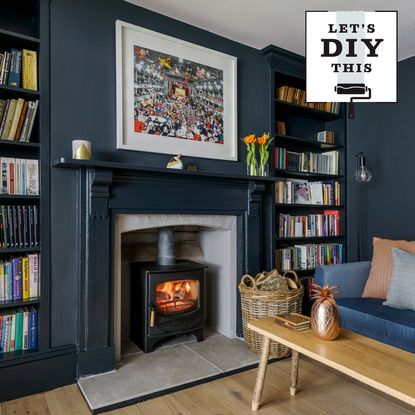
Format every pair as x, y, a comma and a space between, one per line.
117, 166
105, 189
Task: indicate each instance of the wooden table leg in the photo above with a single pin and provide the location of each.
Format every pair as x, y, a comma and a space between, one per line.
294, 372
262, 368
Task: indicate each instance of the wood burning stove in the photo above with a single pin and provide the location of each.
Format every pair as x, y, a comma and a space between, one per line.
167, 296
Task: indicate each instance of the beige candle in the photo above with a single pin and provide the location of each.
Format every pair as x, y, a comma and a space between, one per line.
81, 149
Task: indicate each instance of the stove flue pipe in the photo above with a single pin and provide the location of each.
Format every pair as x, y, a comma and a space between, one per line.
166, 246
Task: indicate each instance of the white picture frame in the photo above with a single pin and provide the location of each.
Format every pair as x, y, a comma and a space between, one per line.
130, 105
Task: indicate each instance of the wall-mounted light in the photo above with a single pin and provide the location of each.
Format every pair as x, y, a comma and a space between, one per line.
362, 175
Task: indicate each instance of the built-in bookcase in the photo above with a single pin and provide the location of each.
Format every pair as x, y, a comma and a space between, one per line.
301, 125
24, 25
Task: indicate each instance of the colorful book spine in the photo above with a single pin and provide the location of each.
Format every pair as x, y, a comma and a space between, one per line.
25, 278
6, 334
29, 69
12, 345
8, 278
1, 333
34, 275
18, 345
15, 71
17, 279
33, 329
25, 345
2, 282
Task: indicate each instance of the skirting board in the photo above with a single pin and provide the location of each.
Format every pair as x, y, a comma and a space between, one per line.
38, 373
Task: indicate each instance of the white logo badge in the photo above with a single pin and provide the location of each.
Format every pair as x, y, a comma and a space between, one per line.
351, 56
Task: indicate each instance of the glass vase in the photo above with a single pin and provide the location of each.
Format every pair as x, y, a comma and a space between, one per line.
251, 169
263, 170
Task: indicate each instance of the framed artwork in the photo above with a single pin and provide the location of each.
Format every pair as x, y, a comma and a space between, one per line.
174, 96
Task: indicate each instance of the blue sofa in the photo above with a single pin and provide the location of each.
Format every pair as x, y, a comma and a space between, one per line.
367, 316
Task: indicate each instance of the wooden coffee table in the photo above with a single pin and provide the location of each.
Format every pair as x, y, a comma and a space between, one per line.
383, 367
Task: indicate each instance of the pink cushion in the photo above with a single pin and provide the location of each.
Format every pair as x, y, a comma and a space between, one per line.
377, 284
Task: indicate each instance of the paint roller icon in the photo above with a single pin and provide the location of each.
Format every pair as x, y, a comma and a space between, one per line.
353, 89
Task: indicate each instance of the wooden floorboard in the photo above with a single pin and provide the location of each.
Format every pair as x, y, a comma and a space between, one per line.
166, 405
30, 405
128, 410
66, 401
320, 392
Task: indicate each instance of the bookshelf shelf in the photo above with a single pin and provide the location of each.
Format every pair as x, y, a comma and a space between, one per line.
17, 355
306, 206
302, 111
20, 250
18, 39
19, 197
17, 145
12, 91
279, 173
303, 143
309, 238
19, 303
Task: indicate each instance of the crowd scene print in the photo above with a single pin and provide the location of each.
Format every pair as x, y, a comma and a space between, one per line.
177, 98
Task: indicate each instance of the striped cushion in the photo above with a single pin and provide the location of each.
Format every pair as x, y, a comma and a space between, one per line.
377, 284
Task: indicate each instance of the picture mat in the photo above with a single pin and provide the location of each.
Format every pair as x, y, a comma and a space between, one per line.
127, 36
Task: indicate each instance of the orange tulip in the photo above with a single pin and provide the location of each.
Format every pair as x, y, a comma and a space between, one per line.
264, 138
249, 139
261, 141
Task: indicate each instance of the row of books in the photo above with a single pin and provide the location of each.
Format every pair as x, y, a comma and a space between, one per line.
17, 118
323, 163
298, 96
19, 278
19, 176
18, 68
19, 329
302, 257
19, 226
325, 136
310, 193
313, 225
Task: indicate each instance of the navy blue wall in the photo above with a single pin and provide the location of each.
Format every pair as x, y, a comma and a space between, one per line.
385, 133
83, 105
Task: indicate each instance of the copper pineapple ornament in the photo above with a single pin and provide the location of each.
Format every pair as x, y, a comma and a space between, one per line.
325, 321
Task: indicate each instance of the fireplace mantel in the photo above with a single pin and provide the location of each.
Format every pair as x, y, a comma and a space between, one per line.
105, 189
117, 166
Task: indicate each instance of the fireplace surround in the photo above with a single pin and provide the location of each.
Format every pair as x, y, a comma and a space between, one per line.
107, 190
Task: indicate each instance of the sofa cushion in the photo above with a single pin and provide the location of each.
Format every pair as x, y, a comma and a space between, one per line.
377, 284
401, 292
370, 318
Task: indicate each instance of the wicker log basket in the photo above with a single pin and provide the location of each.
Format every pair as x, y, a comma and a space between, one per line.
269, 294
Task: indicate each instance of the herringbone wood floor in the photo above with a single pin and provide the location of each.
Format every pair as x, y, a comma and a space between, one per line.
320, 392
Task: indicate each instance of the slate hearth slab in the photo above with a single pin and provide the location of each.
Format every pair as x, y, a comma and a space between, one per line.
224, 353
145, 373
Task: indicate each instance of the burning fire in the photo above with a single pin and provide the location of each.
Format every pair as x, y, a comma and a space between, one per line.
177, 296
